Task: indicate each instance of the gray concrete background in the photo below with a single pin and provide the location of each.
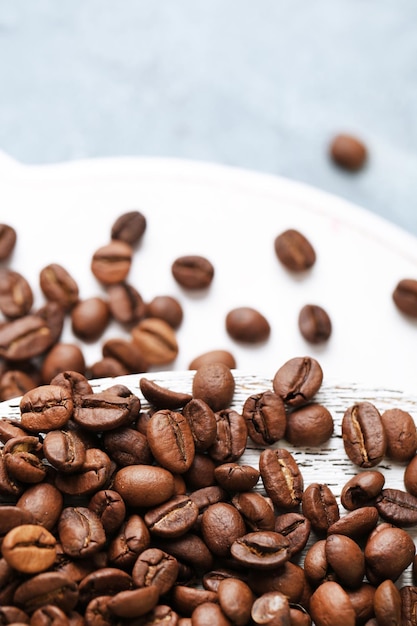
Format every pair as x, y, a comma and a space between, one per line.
260, 84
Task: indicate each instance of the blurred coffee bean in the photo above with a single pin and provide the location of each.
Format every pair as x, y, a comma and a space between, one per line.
58, 285
314, 323
90, 318
248, 325
111, 263
405, 296
294, 250
8, 238
193, 272
348, 152
166, 308
16, 295
129, 227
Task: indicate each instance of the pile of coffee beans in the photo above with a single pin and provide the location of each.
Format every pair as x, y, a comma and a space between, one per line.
122, 508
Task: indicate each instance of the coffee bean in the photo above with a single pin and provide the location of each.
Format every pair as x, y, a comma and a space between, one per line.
296, 528
213, 356
294, 250
45, 408
209, 613
387, 603
58, 588
110, 508
16, 295
319, 505
261, 549
298, 380
172, 518
235, 477
166, 308
24, 338
62, 356
129, 227
125, 303
193, 272
265, 417
346, 559
80, 531
231, 437
348, 152
44, 502
8, 239
397, 507
131, 539
388, 552
111, 263
364, 436
15, 383
202, 421
226, 517
134, 603
127, 446
356, 524
105, 580
214, 383
106, 411
94, 474
90, 318
171, 440
236, 599
405, 296
144, 485
157, 341
401, 433
58, 285
362, 489
408, 595
330, 604
157, 568
271, 608
256, 510
281, 477
29, 548
247, 325
309, 425
161, 397
314, 323
23, 459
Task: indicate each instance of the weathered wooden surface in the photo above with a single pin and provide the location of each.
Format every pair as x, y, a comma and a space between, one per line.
327, 464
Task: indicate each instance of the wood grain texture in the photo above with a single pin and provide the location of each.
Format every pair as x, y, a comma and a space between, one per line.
327, 464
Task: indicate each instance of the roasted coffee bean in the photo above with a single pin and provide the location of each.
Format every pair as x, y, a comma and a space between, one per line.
265, 417
110, 508
234, 477
24, 338
362, 600
23, 459
44, 502
15, 383
59, 286
405, 296
348, 152
215, 384
8, 486
281, 477
330, 604
107, 367
171, 440
127, 446
296, 528
299, 616
236, 599
134, 602
271, 608
314, 323
129, 227
213, 356
80, 531
387, 603
157, 568
172, 518
289, 579
397, 507
221, 525
131, 540
209, 613
127, 353
319, 505
105, 580
62, 356
189, 549
201, 472
105, 411
231, 436
166, 308
125, 303
10, 429
408, 595
363, 434
161, 397
16, 295
144, 485
8, 237
357, 523
316, 565
13, 615
202, 421
309, 425
47, 587
262, 549
186, 598
53, 315
193, 272
10, 517
212, 579
156, 339
29, 548
45, 408
247, 325
362, 489
410, 476
388, 552
401, 433
346, 559
298, 380
75, 382
64, 449
97, 612
207, 496
256, 510
111, 263
94, 474
90, 318
294, 250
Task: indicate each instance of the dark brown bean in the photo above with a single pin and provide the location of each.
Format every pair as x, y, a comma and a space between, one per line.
226, 517
363, 434
59, 286
215, 384
173, 518
401, 433
8, 237
202, 421
193, 271
125, 303
156, 339
265, 417
387, 603
388, 552
171, 440
397, 507
296, 528
314, 323
235, 477
281, 477
262, 549
346, 559
103, 411
298, 380
235, 598
161, 397
62, 356
213, 356
294, 250
357, 523
166, 308
155, 567
362, 489
231, 437
90, 318
16, 295
309, 425
129, 227
144, 485
247, 325
319, 505
330, 604
256, 510
45, 408
24, 338
271, 608
348, 152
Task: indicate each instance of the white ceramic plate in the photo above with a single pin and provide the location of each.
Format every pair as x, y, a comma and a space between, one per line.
64, 212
